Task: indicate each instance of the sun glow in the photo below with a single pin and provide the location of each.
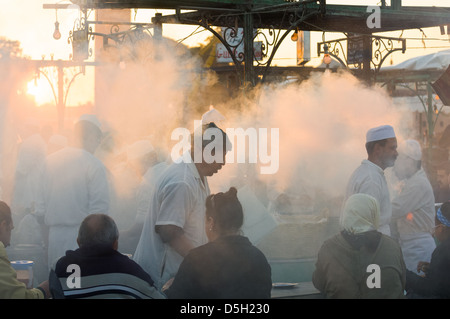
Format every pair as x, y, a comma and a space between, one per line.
41, 91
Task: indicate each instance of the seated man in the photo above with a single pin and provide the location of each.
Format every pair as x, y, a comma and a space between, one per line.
97, 270
10, 286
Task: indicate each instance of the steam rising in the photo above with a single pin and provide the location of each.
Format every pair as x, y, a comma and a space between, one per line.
148, 89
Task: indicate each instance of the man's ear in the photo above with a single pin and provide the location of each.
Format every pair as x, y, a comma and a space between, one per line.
116, 244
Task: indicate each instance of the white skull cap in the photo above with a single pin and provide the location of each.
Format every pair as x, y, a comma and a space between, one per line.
380, 133
412, 149
91, 118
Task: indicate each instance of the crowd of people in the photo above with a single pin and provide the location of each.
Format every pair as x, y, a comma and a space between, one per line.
185, 243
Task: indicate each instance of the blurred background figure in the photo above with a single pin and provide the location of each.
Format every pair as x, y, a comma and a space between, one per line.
56, 142
74, 184
126, 178
30, 159
442, 185
413, 206
134, 183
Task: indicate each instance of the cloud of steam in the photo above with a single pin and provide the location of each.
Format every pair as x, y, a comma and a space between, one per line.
322, 123
146, 89
142, 90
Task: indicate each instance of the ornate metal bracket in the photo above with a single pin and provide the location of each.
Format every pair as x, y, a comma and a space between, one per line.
83, 33
236, 28
361, 48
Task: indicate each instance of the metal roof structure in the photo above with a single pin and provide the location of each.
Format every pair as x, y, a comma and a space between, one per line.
280, 17
332, 18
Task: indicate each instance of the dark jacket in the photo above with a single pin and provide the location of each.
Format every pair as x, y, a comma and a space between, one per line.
436, 283
229, 267
103, 273
342, 268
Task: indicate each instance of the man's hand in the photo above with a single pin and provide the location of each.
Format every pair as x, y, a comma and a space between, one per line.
174, 236
422, 266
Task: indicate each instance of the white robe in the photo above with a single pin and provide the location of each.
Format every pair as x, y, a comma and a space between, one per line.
369, 179
413, 211
73, 185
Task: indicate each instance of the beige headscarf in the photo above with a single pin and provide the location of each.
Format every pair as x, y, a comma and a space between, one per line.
361, 214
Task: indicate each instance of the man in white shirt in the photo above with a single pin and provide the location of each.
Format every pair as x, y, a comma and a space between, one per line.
73, 185
413, 208
368, 178
176, 220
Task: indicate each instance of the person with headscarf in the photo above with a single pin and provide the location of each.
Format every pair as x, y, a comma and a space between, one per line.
346, 262
435, 283
369, 178
413, 207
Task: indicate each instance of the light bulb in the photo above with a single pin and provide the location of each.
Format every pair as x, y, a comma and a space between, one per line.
294, 36
57, 34
326, 59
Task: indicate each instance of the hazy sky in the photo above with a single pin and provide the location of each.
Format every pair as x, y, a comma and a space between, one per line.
33, 26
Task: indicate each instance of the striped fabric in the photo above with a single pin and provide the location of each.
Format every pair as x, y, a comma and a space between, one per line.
110, 286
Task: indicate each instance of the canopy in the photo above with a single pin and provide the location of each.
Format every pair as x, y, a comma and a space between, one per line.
434, 61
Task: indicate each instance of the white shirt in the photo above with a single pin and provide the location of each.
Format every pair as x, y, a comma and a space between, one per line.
73, 185
369, 179
146, 189
179, 199
413, 211
413, 208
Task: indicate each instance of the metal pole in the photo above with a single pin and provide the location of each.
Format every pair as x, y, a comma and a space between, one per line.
60, 106
396, 4
157, 30
248, 49
430, 121
367, 57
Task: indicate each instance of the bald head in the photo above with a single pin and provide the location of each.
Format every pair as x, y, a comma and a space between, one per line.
98, 229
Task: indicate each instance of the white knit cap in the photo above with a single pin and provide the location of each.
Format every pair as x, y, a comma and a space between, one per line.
380, 133
412, 149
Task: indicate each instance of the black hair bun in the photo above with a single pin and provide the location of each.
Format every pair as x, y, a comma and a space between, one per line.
232, 192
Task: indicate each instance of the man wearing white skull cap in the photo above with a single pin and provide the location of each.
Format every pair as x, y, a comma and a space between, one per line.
73, 185
369, 178
413, 208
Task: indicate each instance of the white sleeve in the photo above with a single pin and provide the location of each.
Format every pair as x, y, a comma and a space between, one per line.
176, 203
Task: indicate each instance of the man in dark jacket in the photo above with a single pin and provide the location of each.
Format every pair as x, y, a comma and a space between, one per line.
97, 270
